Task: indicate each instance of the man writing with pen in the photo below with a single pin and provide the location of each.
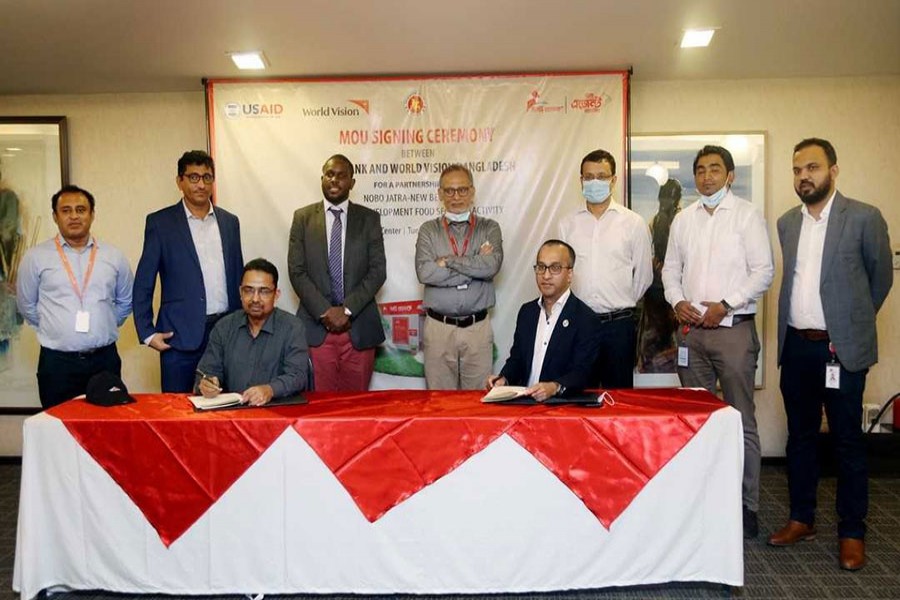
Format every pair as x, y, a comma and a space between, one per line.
260, 351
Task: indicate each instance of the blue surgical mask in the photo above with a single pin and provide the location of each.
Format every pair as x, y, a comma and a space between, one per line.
596, 191
714, 200
458, 217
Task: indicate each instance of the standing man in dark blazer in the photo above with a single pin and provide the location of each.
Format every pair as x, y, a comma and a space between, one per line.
837, 274
195, 248
556, 338
336, 264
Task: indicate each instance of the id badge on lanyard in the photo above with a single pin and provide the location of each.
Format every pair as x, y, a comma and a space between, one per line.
682, 347
82, 317
832, 370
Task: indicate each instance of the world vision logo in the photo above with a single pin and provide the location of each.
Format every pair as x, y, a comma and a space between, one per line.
363, 104
590, 103
415, 104
327, 111
235, 110
537, 104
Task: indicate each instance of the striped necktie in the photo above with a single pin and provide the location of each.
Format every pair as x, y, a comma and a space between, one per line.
335, 259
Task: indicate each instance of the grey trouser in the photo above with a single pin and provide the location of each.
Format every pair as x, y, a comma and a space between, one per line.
458, 358
729, 355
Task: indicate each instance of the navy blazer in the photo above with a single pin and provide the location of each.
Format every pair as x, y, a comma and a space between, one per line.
570, 354
169, 252
365, 271
855, 278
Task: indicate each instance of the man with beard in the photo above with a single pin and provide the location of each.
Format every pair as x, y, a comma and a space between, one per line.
718, 265
837, 274
259, 352
336, 264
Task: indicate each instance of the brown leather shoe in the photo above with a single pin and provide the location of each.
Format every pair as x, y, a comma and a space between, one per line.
853, 554
793, 532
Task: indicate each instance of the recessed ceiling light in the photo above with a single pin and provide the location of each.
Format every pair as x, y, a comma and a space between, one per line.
254, 60
14, 149
697, 38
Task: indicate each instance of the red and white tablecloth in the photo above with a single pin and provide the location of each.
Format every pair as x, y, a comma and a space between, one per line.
382, 492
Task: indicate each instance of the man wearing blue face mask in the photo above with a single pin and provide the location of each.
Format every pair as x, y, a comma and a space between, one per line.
457, 256
718, 265
613, 270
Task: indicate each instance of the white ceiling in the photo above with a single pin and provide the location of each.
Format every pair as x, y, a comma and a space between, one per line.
85, 46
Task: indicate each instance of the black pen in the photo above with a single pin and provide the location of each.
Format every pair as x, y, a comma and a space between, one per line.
208, 378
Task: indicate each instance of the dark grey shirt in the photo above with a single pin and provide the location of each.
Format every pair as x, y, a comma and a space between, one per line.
465, 286
277, 356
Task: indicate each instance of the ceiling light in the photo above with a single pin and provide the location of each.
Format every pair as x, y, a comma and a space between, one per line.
14, 149
254, 60
697, 38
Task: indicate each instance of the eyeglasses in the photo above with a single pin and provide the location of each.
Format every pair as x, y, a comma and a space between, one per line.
462, 192
196, 177
592, 177
248, 291
555, 268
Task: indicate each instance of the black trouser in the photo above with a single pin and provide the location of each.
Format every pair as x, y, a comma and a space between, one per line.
64, 375
803, 388
614, 368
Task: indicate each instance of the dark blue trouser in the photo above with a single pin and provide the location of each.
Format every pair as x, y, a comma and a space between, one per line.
804, 392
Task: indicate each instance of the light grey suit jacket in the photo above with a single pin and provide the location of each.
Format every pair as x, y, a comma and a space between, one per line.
856, 277
364, 272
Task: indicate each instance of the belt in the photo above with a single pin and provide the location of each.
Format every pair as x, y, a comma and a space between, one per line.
615, 315
741, 318
811, 335
80, 353
210, 319
464, 321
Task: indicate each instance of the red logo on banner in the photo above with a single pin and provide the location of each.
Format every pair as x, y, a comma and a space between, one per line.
537, 104
363, 104
415, 104
590, 103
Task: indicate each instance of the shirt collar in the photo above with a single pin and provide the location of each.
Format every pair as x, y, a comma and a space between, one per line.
62, 242
190, 215
344, 206
558, 305
823, 216
613, 206
268, 326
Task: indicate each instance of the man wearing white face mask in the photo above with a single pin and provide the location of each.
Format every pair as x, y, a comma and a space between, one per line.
718, 265
613, 270
457, 256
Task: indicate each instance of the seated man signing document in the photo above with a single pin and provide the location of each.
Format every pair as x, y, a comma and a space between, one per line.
555, 342
259, 352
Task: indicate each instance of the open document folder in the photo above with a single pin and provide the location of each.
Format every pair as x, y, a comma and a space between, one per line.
516, 394
231, 400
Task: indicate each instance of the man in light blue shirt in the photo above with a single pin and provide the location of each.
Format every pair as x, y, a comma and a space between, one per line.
76, 293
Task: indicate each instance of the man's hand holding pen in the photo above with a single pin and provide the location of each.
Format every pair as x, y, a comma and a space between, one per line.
209, 385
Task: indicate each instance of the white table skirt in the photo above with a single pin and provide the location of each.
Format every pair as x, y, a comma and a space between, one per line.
500, 522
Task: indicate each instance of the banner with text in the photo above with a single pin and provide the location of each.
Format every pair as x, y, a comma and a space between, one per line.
522, 136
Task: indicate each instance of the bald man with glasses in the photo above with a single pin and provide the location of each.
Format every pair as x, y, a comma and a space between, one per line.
457, 257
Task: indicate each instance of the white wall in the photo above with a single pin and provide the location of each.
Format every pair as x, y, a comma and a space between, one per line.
123, 147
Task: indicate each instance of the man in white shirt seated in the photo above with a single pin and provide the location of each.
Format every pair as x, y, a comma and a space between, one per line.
556, 340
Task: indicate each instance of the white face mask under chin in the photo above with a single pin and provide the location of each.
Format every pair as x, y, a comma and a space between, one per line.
714, 200
458, 217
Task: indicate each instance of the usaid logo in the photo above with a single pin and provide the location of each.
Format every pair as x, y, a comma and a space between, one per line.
234, 110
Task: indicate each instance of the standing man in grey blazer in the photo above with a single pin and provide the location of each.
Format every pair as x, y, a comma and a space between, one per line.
336, 264
837, 273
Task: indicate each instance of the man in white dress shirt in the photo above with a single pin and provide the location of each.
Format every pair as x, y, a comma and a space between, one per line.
718, 264
614, 269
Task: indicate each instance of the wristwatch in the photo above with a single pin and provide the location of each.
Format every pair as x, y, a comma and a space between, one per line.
560, 389
727, 306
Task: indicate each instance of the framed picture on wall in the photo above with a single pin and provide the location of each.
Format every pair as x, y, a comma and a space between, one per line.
662, 184
33, 167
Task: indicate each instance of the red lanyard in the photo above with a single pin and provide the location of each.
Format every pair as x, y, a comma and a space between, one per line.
87, 275
453, 239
